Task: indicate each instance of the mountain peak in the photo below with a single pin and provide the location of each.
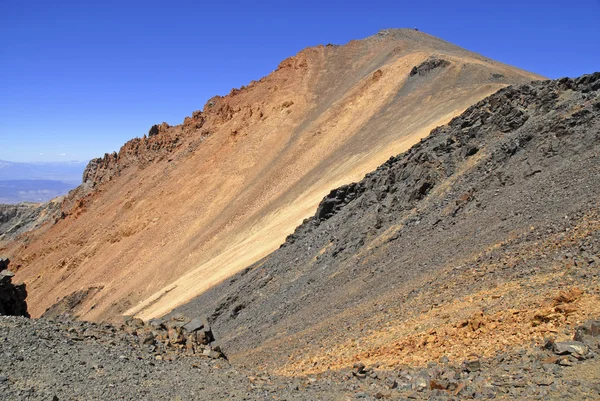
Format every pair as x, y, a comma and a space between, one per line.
225, 187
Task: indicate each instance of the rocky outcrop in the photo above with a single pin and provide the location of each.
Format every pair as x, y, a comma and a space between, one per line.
336, 200
9, 214
101, 169
428, 65
12, 296
176, 335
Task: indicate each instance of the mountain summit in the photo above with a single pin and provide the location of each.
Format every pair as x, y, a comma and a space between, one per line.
187, 206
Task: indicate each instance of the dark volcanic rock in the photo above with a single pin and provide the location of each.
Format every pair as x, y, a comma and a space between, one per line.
505, 165
428, 65
153, 130
12, 296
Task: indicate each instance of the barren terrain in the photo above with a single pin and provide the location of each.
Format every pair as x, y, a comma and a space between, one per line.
177, 212
464, 268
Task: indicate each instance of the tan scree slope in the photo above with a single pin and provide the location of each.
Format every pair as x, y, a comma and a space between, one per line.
230, 184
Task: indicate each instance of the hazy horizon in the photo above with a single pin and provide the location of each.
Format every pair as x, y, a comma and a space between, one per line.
38, 181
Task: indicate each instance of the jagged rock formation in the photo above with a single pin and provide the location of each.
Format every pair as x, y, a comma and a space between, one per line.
177, 211
12, 297
486, 230
428, 65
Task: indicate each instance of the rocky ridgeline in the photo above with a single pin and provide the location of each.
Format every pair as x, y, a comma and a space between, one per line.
12, 297
161, 141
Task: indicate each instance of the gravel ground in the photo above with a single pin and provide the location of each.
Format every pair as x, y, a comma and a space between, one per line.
70, 360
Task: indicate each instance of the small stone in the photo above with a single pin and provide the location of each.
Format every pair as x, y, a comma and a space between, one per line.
359, 375
420, 383
147, 339
438, 384
359, 367
570, 347
211, 354
390, 383
589, 329
472, 365
195, 325
565, 362
157, 324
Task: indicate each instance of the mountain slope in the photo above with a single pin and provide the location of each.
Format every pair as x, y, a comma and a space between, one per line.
483, 237
177, 212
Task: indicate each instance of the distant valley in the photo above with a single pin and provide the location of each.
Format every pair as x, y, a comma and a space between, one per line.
37, 182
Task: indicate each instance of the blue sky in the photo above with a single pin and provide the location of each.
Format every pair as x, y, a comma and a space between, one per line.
80, 78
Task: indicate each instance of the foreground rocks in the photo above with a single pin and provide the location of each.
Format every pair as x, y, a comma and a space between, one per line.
63, 359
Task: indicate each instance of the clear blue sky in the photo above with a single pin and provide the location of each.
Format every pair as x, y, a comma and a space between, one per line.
79, 78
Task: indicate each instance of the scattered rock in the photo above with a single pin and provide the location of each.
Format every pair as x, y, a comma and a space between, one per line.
570, 348
588, 333
472, 365
194, 325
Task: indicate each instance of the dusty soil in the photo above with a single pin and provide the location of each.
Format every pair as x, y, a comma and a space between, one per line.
184, 208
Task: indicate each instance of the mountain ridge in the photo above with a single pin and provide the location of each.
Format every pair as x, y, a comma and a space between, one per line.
189, 205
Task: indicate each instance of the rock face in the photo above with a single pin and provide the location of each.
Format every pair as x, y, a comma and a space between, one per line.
12, 297
451, 246
228, 185
428, 65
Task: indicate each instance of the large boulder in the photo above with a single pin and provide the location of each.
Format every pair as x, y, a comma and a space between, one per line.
12, 297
